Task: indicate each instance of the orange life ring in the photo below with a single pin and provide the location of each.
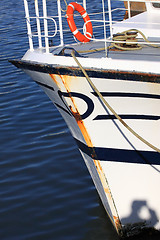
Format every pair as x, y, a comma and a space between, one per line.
73, 6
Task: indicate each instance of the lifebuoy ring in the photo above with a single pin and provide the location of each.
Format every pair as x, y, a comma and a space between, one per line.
73, 6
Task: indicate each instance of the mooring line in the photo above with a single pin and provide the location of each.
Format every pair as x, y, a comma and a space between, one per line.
110, 108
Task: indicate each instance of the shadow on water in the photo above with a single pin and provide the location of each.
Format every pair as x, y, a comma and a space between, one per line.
136, 227
101, 226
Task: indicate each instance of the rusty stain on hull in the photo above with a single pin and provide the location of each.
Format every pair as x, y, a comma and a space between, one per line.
54, 79
88, 141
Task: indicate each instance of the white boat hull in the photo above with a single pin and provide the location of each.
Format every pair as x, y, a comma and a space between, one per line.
125, 171
122, 152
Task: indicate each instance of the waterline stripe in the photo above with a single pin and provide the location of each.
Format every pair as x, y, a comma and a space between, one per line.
120, 155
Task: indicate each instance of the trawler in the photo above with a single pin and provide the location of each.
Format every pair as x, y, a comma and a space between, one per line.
99, 63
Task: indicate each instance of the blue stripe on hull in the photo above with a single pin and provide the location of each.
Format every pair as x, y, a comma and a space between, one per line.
120, 155
130, 116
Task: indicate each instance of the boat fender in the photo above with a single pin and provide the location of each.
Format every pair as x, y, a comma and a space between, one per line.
73, 6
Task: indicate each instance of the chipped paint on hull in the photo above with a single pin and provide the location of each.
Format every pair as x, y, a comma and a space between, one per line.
104, 156
88, 141
96, 73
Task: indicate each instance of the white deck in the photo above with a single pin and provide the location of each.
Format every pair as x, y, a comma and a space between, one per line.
146, 53
145, 60
147, 22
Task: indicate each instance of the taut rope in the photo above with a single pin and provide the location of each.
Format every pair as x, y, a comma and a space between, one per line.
110, 108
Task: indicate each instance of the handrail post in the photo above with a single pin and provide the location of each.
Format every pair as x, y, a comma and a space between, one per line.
110, 17
38, 24
28, 25
104, 26
129, 9
60, 22
84, 4
45, 26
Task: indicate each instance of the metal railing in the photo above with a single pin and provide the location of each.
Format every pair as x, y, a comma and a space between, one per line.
45, 22
105, 21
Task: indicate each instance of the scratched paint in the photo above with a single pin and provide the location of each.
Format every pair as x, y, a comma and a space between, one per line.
98, 73
88, 141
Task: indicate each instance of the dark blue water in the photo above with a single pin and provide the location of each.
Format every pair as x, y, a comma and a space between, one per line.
46, 192
45, 189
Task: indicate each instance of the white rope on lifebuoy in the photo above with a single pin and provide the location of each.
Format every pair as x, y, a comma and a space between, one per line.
73, 6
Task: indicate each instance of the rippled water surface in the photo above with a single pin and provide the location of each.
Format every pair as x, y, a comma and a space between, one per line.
45, 189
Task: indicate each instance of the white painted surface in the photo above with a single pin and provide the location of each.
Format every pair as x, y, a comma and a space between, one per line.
145, 66
134, 187
147, 22
136, 191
